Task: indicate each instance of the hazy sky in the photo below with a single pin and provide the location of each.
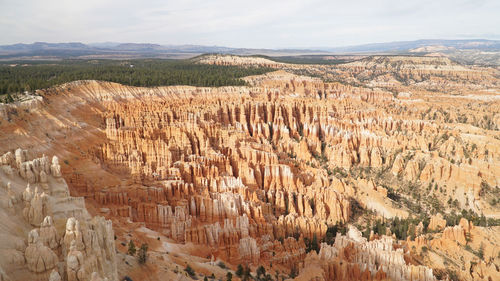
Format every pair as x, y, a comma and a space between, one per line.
250, 23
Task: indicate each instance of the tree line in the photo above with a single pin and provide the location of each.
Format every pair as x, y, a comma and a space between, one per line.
19, 76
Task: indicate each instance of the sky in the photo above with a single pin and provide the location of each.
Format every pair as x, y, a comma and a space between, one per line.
249, 24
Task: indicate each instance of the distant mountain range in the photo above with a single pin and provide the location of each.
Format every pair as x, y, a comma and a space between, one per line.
406, 46
40, 50
43, 50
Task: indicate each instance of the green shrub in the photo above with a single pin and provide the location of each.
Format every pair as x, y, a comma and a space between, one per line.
221, 265
190, 271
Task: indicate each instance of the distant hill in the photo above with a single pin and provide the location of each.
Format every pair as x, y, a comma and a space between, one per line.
130, 50
466, 50
478, 44
43, 46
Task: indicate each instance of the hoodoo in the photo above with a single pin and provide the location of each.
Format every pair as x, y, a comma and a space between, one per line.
286, 177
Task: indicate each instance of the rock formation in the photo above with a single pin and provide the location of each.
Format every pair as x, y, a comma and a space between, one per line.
437, 222
75, 263
255, 174
39, 258
42, 200
352, 257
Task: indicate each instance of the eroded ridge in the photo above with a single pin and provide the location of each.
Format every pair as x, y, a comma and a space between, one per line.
47, 234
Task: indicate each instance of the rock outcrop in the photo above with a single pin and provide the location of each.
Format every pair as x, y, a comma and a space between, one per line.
437, 222
352, 257
39, 258
41, 198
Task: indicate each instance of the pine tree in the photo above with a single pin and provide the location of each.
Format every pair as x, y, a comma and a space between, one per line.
482, 221
239, 270
261, 271
246, 273
294, 272
142, 254
480, 252
9, 98
131, 248
314, 243
412, 231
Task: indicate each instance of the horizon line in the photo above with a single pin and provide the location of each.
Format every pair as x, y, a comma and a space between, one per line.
265, 48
